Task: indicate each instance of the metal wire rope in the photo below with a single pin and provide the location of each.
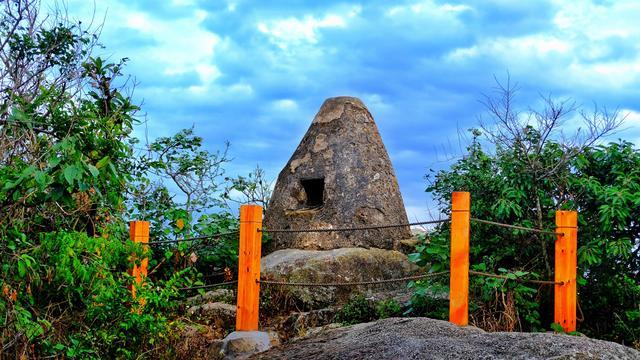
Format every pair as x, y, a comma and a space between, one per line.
541, 282
548, 232
205, 237
373, 227
210, 285
354, 283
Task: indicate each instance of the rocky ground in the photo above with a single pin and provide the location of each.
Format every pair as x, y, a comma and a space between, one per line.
302, 319
423, 338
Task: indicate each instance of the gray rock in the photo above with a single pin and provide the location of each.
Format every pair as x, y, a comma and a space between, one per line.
198, 341
339, 176
222, 315
298, 324
217, 295
242, 344
337, 265
422, 338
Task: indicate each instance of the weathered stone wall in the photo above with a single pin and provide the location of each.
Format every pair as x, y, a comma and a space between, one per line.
344, 148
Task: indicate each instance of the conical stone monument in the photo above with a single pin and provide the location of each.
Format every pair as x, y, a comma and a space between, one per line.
339, 176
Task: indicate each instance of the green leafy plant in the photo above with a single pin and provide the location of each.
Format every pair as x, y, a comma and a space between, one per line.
520, 171
388, 308
68, 174
357, 310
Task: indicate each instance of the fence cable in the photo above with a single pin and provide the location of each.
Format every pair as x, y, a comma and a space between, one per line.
541, 282
354, 283
373, 227
209, 286
548, 232
205, 237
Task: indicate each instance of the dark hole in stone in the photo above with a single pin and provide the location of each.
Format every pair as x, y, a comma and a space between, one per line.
314, 188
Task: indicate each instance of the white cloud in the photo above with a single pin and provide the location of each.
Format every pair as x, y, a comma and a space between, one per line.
182, 2
375, 103
406, 154
588, 46
618, 18
285, 105
427, 7
172, 46
524, 47
138, 21
295, 31
632, 118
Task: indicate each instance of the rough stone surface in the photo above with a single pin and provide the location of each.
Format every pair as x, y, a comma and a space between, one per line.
222, 315
199, 341
298, 324
344, 148
217, 295
242, 344
337, 265
422, 338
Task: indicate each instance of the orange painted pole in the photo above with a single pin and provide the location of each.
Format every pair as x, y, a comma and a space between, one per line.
459, 277
565, 270
249, 268
139, 233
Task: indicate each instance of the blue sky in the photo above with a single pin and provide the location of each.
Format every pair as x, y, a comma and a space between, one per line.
256, 72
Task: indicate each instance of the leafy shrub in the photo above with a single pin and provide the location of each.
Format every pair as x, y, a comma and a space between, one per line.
70, 178
357, 310
388, 308
86, 277
602, 182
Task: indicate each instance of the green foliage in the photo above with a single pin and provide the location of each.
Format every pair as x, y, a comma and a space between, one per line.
357, 310
67, 166
608, 181
89, 276
71, 176
602, 183
388, 308
196, 209
432, 252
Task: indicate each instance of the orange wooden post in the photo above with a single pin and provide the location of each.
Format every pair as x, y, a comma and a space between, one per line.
139, 233
459, 277
249, 268
565, 270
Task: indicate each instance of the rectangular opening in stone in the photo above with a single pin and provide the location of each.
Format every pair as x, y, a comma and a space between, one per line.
314, 188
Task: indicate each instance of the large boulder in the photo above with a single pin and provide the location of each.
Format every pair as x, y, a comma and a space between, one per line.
242, 344
422, 338
331, 266
339, 176
222, 315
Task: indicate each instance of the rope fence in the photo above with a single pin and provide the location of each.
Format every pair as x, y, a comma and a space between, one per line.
517, 227
374, 227
532, 281
249, 259
209, 286
196, 238
353, 283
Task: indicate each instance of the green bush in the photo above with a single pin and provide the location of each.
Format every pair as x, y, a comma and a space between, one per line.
95, 314
388, 308
601, 182
70, 179
357, 310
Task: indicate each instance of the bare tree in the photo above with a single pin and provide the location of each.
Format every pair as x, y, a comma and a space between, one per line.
254, 188
527, 132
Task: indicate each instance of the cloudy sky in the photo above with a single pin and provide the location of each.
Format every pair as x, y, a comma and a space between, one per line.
256, 72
